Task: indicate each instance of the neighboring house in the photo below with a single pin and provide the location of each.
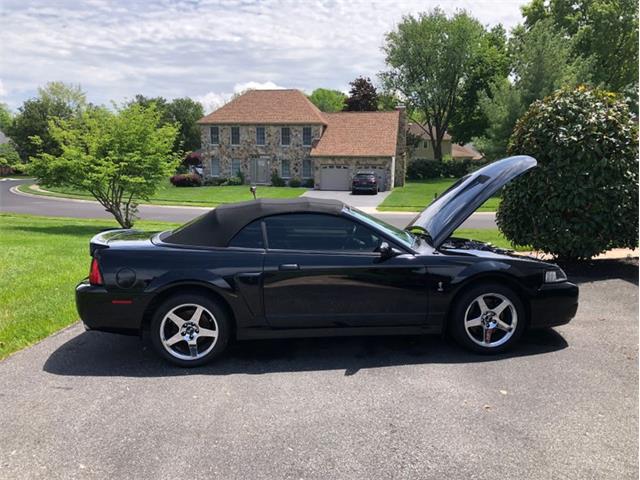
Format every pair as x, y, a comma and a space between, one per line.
424, 150
266, 131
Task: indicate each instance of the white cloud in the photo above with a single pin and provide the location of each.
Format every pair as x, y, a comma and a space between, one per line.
213, 100
3, 90
116, 49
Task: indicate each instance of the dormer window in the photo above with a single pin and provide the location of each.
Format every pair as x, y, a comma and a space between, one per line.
306, 136
214, 132
285, 136
235, 135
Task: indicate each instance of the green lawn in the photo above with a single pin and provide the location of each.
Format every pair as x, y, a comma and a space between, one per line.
167, 194
415, 196
41, 261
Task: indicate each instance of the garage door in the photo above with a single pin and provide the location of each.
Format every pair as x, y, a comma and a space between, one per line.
335, 177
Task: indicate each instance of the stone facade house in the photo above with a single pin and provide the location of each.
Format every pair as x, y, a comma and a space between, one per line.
423, 150
267, 131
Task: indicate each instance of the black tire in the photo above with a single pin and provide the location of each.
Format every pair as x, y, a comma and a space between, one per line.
354, 192
185, 306
467, 305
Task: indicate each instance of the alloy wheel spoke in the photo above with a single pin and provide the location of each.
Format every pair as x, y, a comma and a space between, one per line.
482, 305
474, 322
500, 308
205, 332
174, 339
197, 315
193, 348
503, 325
176, 319
487, 333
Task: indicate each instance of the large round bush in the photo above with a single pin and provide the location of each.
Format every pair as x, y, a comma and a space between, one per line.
582, 199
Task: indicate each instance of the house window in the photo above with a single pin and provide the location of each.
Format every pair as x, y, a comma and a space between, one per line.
215, 135
286, 169
306, 168
285, 136
215, 167
235, 135
235, 167
306, 136
260, 136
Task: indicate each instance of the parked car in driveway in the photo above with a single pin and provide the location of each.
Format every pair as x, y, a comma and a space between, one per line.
365, 182
310, 267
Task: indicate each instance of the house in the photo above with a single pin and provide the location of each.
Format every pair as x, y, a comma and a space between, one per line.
265, 131
423, 150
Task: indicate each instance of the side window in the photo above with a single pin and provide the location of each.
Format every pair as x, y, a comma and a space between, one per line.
313, 231
249, 237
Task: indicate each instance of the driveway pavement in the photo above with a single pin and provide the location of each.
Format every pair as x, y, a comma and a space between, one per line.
562, 405
57, 207
358, 201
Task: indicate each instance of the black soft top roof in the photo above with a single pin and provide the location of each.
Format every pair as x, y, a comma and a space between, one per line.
217, 227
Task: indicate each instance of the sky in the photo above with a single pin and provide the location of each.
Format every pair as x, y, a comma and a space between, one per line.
203, 49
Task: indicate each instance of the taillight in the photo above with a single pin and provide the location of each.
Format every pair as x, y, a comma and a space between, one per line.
95, 277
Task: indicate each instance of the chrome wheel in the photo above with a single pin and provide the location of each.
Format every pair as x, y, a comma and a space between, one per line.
490, 320
189, 331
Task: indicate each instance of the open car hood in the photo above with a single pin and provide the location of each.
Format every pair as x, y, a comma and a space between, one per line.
458, 202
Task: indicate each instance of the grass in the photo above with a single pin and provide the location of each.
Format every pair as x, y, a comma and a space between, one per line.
43, 258
415, 196
41, 261
167, 194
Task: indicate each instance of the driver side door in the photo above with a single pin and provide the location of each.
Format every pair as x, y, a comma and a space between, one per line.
324, 271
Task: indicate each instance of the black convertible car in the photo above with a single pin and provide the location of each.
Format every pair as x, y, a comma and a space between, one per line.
307, 267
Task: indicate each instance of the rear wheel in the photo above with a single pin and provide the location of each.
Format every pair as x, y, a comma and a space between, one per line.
489, 318
189, 330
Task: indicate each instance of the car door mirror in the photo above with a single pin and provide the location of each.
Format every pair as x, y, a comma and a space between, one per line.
386, 251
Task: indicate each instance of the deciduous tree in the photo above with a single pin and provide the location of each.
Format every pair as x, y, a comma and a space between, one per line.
328, 100
363, 96
119, 157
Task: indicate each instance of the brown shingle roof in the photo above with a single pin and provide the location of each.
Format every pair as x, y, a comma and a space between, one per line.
460, 151
267, 107
418, 131
358, 134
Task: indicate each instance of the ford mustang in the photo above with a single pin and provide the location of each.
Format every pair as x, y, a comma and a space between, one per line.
309, 267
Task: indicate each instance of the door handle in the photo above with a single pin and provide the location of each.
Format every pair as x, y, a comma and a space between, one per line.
289, 266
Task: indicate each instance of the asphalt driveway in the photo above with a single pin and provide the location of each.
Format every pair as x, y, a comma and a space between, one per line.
563, 405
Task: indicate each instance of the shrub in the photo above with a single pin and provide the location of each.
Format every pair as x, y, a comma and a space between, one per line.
214, 181
582, 199
241, 175
309, 183
277, 180
295, 182
186, 180
232, 181
421, 169
457, 168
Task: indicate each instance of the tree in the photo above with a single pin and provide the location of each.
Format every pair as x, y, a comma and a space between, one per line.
186, 113
604, 34
582, 199
55, 100
183, 111
118, 157
363, 96
430, 59
328, 100
490, 65
6, 118
541, 62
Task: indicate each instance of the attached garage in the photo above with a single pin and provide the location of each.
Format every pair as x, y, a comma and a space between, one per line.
335, 177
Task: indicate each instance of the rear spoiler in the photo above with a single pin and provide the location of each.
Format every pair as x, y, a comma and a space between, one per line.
101, 240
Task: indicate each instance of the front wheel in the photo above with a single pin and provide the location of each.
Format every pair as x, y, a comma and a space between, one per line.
189, 330
489, 318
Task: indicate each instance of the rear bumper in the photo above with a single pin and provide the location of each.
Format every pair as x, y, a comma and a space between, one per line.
554, 304
364, 188
109, 312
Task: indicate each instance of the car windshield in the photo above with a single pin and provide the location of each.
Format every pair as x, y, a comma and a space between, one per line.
407, 239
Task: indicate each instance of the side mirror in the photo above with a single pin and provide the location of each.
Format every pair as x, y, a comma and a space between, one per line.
386, 251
